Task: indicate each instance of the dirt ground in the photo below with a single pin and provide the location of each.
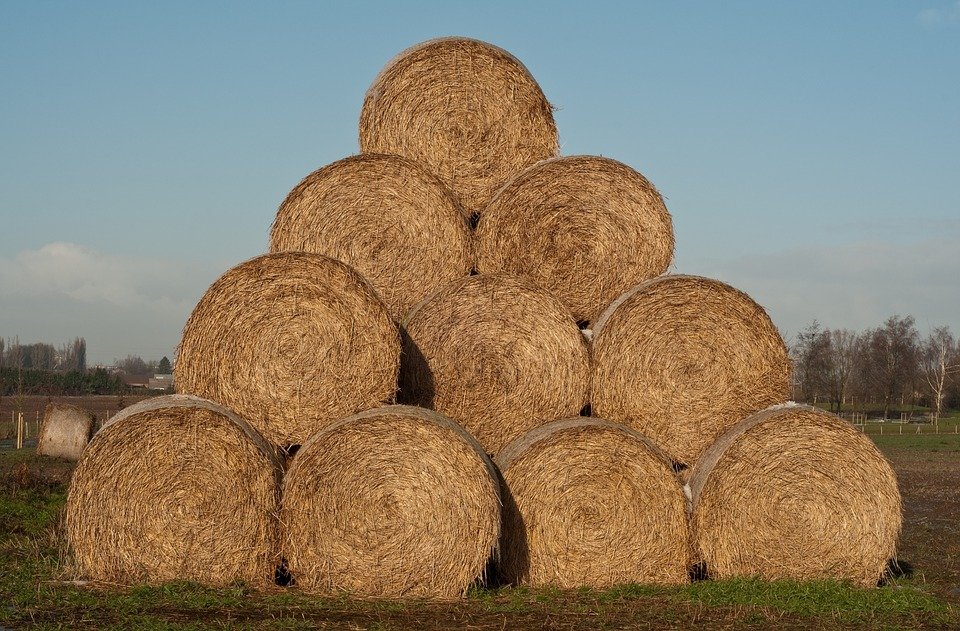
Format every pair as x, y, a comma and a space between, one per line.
930, 485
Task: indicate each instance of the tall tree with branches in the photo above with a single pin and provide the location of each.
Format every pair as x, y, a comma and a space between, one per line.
939, 364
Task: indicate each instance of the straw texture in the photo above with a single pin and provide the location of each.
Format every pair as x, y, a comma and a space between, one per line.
64, 431
387, 217
397, 501
468, 111
175, 488
682, 358
583, 227
291, 342
591, 503
496, 354
796, 493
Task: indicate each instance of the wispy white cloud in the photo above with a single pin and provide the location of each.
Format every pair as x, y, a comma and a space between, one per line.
940, 16
86, 275
122, 305
852, 286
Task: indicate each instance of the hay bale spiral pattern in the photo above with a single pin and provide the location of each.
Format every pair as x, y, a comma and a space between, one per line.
496, 354
397, 501
795, 492
591, 503
291, 342
387, 217
682, 358
469, 111
176, 488
583, 227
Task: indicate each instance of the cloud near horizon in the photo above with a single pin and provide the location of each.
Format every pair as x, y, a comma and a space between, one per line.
856, 286
122, 305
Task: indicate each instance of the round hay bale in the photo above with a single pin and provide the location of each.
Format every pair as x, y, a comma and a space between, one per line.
469, 111
682, 358
585, 228
292, 342
591, 503
795, 493
176, 488
64, 431
498, 355
397, 502
386, 216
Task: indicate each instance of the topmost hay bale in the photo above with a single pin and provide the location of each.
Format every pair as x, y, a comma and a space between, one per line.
682, 358
64, 431
591, 503
176, 488
583, 227
496, 354
469, 111
291, 342
386, 216
396, 501
794, 492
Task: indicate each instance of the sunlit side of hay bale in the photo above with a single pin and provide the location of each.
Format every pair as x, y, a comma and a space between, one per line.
397, 501
498, 355
175, 488
387, 217
591, 503
468, 111
585, 228
64, 431
291, 342
794, 492
682, 358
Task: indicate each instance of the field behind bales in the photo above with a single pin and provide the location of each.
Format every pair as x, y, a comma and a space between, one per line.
36, 588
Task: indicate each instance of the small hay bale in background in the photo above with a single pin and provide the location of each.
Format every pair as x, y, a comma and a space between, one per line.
468, 111
176, 488
291, 342
794, 492
682, 358
591, 503
498, 355
64, 431
397, 502
583, 227
386, 216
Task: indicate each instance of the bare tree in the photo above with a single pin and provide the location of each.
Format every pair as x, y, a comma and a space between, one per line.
891, 355
843, 346
811, 361
938, 364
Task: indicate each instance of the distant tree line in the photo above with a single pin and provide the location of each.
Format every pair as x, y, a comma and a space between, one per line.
41, 356
878, 369
30, 381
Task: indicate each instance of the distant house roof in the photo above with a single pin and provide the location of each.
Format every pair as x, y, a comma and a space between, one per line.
136, 381
160, 382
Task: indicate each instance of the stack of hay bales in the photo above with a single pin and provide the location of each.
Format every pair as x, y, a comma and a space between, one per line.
558, 398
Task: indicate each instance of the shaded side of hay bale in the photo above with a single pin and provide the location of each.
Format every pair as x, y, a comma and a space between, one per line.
467, 110
585, 228
386, 216
292, 342
496, 354
176, 488
64, 431
682, 358
397, 501
795, 492
591, 503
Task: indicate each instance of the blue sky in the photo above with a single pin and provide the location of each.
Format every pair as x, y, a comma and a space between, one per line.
809, 152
